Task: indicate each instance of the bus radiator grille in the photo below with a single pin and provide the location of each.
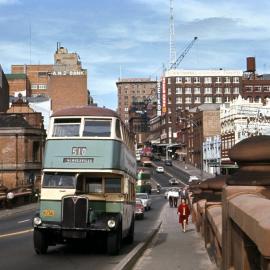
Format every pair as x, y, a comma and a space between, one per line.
75, 212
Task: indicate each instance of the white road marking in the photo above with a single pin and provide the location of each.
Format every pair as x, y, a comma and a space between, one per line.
16, 233
23, 221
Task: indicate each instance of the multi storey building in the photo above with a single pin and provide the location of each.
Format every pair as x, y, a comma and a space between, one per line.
241, 119
256, 88
22, 140
36, 81
185, 89
4, 91
133, 90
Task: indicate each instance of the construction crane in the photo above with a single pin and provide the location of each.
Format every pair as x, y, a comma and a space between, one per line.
183, 54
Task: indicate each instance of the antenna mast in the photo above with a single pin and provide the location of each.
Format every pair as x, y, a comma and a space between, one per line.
172, 36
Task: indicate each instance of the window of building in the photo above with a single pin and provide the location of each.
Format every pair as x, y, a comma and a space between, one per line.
187, 90
227, 99
236, 79
197, 100
236, 90
249, 88
219, 90
169, 80
188, 100
169, 91
187, 79
42, 74
34, 86
218, 80
197, 90
178, 100
227, 80
227, 90
218, 99
126, 97
126, 121
257, 88
36, 153
208, 100
126, 109
207, 80
266, 88
169, 110
178, 79
208, 90
169, 119
197, 79
178, 90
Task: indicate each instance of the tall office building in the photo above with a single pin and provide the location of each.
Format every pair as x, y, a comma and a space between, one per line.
134, 90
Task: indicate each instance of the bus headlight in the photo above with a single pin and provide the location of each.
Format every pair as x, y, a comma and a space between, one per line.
37, 221
111, 223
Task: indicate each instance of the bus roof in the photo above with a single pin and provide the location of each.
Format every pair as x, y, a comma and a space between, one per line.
86, 111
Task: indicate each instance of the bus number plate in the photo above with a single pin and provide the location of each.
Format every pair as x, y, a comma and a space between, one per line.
48, 213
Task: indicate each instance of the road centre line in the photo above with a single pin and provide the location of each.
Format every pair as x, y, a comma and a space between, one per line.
23, 221
16, 233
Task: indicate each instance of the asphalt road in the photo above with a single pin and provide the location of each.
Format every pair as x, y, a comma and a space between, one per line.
174, 172
16, 247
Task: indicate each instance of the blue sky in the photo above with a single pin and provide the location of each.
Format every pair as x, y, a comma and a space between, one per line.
134, 34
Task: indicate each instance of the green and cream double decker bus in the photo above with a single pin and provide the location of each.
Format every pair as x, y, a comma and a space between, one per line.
88, 182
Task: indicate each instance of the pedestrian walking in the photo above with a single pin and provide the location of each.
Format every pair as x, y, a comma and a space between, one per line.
184, 193
183, 212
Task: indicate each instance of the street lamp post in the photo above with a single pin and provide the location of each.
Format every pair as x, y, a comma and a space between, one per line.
201, 151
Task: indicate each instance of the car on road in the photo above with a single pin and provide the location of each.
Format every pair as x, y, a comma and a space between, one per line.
145, 200
160, 169
139, 209
168, 162
173, 182
193, 178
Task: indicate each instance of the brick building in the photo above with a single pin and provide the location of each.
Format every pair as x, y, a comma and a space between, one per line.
256, 88
4, 91
18, 84
185, 89
22, 140
133, 90
36, 78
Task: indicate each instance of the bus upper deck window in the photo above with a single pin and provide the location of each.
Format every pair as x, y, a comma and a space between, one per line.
97, 128
117, 129
66, 127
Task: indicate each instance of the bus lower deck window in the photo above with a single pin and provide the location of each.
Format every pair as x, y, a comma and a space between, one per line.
112, 185
94, 185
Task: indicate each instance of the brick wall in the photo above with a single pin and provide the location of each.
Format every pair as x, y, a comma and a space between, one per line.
67, 91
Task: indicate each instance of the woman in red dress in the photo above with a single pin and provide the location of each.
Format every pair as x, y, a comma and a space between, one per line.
183, 212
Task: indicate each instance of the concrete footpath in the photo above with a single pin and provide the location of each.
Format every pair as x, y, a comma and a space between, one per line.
20, 209
172, 249
191, 170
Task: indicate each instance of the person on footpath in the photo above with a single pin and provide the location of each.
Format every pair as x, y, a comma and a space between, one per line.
183, 212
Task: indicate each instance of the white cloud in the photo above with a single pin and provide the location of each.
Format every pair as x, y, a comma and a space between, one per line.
9, 2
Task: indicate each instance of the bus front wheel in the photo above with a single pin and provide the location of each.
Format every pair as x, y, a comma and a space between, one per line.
114, 242
40, 242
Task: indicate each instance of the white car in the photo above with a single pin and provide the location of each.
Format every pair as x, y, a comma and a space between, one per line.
193, 178
173, 182
146, 201
160, 169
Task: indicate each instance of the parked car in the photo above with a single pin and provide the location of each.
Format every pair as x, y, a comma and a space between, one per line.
139, 209
145, 200
168, 162
193, 178
173, 182
160, 169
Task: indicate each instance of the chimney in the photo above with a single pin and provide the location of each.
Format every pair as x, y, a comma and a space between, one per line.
251, 64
